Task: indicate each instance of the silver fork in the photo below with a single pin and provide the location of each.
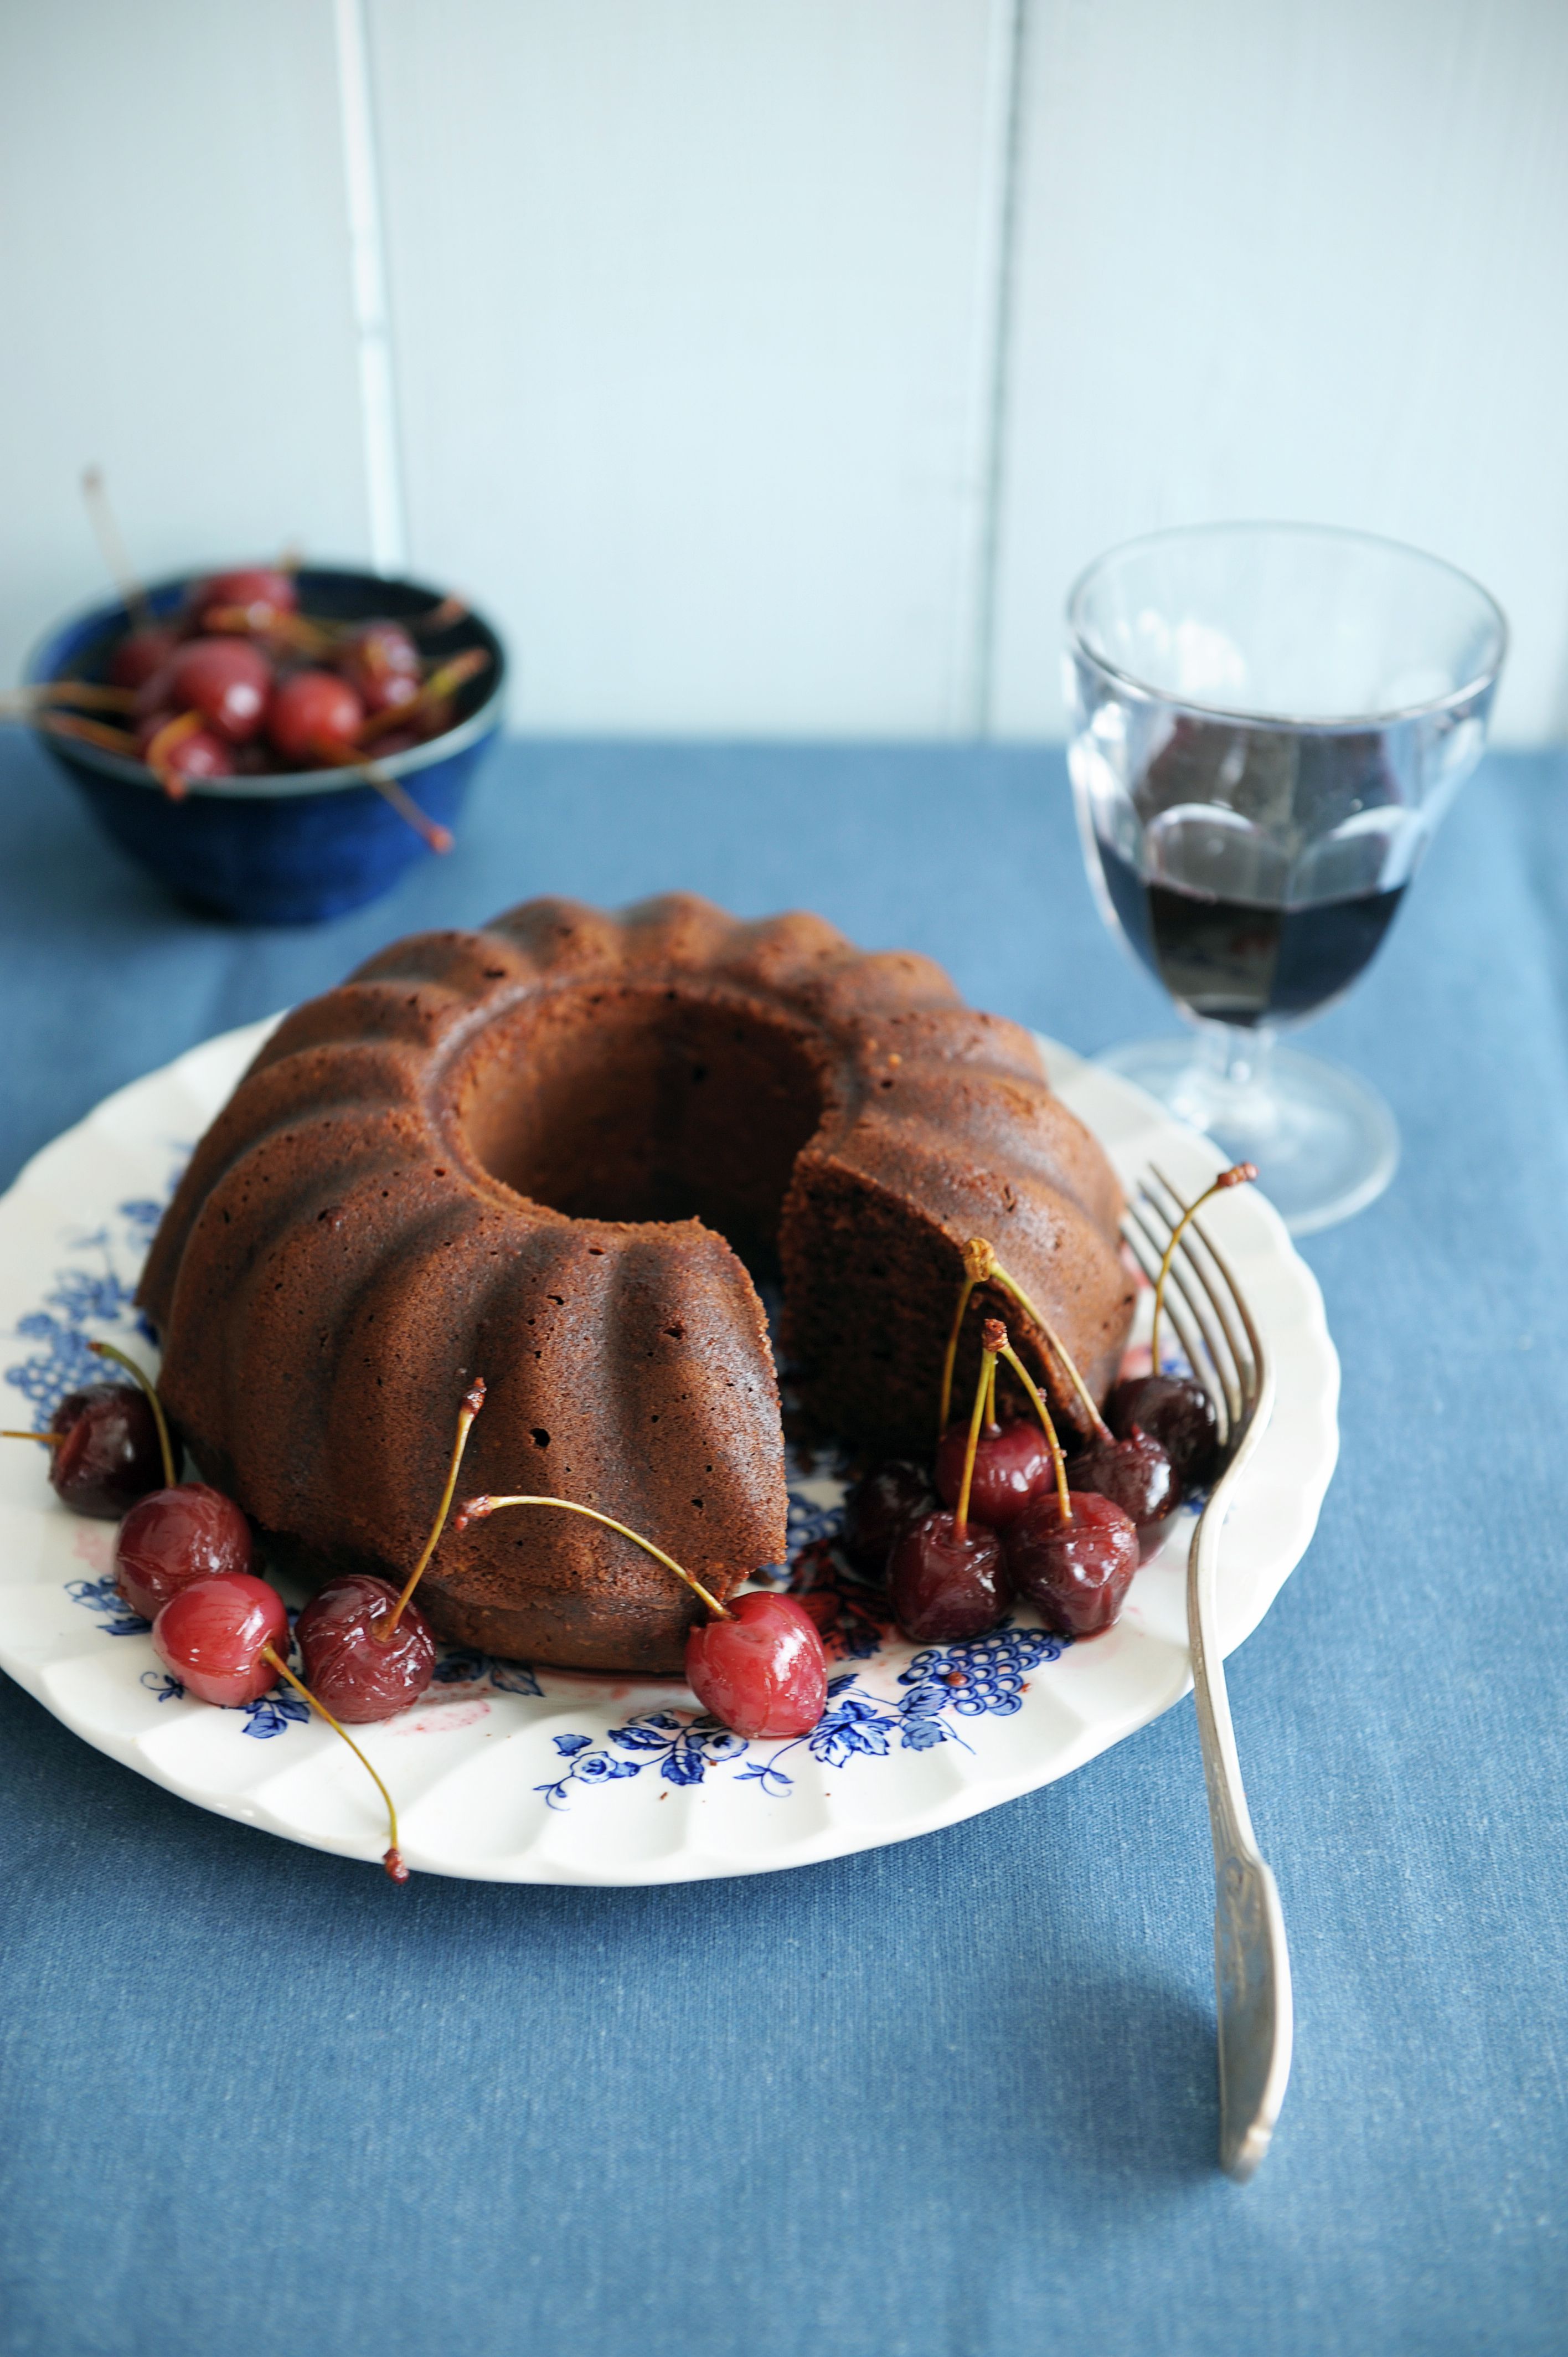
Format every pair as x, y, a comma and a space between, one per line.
1251, 1962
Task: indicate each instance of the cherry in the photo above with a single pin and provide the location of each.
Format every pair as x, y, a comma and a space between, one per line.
382, 665
880, 1509
1075, 1568
1175, 1411
770, 1679
104, 1450
227, 681
214, 1635
367, 1649
1136, 1474
314, 716
176, 1535
762, 1668
947, 1575
257, 592
350, 1662
175, 747
226, 1640
1012, 1465
140, 654
949, 1581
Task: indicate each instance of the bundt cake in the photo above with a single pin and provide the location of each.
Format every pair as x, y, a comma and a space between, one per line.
552, 1153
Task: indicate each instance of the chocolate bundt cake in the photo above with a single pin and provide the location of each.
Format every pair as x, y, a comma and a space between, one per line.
549, 1153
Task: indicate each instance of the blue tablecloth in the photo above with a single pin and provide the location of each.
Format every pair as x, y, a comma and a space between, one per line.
954, 2096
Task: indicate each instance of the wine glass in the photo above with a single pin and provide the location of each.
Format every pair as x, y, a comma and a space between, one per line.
1270, 721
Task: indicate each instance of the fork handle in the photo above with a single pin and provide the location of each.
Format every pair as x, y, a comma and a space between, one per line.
1251, 1961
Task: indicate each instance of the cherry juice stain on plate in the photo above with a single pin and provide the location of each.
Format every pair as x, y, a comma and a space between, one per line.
441, 1718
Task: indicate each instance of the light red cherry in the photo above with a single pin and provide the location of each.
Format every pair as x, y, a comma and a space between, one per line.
314, 716
762, 1670
215, 1635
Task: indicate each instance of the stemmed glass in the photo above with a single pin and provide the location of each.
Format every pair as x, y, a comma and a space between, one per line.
1270, 721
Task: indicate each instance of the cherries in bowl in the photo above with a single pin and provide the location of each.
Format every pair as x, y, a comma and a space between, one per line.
278, 849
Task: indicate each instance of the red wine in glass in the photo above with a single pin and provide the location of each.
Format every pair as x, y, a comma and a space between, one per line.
1246, 962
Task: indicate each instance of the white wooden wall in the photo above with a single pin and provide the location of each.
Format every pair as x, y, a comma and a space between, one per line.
770, 366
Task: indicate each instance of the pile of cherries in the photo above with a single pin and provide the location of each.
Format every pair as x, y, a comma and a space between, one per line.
242, 684
1002, 1515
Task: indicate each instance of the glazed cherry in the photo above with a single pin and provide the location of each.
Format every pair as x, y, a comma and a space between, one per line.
314, 716
350, 1664
1012, 1465
214, 1634
1136, 1475
382, 665
949, 1581
254, 594
110, 1456
227, 681
878, 1510
177, 742
1175, 1411
762, 1670
1075, 1572
140, 654
177, 1535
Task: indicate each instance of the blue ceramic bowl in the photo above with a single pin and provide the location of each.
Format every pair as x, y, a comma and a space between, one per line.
280, 850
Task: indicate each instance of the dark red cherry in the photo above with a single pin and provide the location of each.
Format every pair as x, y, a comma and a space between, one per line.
381, 664
1012, 1465
764, 1672
1135, 1474
313, 715
1175, 1411
256, 591
349, 1666
210, 1636
948, 1584
110, 1456
227, 681
1076, 1573
880, 1509
140, 654
175, 1536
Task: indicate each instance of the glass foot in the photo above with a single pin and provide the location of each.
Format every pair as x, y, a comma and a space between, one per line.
1325, 1145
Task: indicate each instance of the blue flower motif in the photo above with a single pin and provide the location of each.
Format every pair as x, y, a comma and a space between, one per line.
274, 1714
161, 1686
461, 1665
101, 1596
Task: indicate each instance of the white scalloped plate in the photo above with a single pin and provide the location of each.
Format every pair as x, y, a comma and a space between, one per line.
506, 1775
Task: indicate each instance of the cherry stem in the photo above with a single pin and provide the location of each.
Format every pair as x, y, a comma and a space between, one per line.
991, 1341
391, 789
991, 1395
979, 1262
1010, 1285
173, 732
477, 1509
87, 732
1058, 1463
107, 1351
49, 1439
473, 1401
111, 547
444, 617
442, 683
393, 1859
298, 631
1239, 1174
85, 692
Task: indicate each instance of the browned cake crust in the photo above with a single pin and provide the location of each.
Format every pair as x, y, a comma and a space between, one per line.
519, 1153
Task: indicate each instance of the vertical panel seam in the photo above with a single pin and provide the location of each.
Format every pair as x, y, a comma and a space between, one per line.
997, 339
368, 280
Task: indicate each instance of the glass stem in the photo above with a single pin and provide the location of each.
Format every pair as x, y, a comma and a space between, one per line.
1241, 1057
